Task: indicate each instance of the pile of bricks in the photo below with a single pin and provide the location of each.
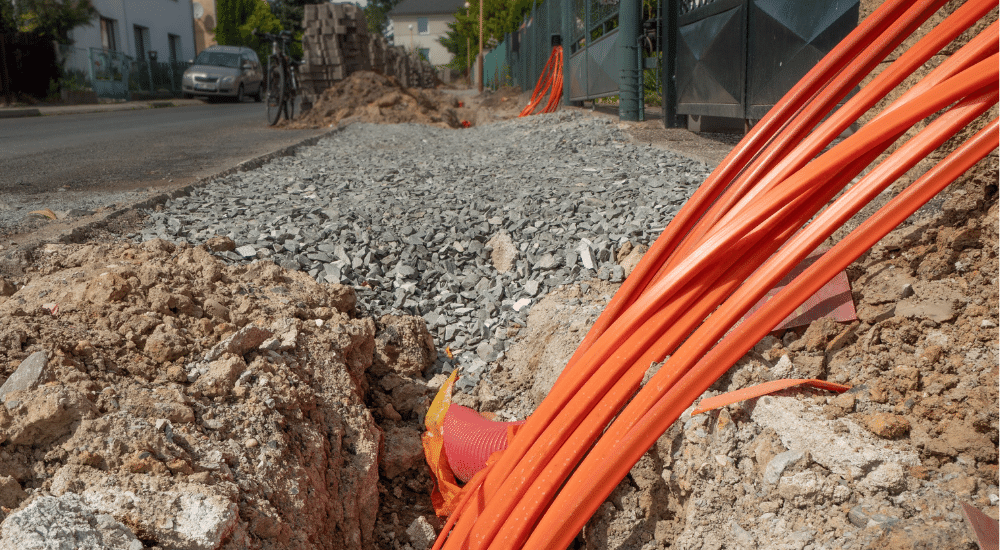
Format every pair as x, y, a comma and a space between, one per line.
336, 43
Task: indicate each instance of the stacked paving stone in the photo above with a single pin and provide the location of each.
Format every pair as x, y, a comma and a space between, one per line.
336, 43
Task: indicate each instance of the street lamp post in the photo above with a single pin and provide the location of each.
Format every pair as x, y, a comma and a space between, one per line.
468, 52
480, 63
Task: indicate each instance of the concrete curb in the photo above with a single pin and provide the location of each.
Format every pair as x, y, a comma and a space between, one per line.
57, 110
80, 233
19, 113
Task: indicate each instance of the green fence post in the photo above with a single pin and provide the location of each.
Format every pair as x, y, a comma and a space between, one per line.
668, 46
630, 77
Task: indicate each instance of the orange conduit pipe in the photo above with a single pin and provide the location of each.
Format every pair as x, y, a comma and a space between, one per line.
536, 451
549, 82
632, 346
569, 518
535, 493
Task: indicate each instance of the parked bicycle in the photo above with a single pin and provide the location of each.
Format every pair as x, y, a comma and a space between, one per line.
282, 82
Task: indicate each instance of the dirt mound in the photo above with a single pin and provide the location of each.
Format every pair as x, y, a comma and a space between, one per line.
366, 96
203, 405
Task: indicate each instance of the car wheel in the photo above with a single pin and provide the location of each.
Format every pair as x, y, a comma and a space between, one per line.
260, 93
239, 94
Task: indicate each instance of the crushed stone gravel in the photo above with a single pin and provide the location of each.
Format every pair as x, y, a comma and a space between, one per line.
406, 213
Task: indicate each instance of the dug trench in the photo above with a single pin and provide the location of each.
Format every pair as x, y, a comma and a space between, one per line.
157, 397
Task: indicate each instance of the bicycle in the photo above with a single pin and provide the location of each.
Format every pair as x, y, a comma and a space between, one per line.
282, 82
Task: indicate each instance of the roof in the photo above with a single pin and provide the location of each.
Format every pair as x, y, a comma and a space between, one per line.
427, 7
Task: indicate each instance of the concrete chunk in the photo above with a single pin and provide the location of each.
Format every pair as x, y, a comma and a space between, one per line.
27, 375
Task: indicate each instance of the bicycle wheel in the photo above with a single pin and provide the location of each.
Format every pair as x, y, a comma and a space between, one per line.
290, 94
275, 90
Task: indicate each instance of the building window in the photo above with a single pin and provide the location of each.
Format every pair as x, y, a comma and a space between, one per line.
141, 42
176, 50
425, 53
422, 27
108, 34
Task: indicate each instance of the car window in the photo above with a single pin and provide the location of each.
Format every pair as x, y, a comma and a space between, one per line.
218, 59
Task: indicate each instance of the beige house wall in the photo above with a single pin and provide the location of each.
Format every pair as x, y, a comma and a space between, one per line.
437, 27
203, 35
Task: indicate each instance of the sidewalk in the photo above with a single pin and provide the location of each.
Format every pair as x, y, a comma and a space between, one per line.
47, 110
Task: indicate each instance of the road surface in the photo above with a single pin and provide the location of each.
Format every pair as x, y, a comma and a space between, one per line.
123, 150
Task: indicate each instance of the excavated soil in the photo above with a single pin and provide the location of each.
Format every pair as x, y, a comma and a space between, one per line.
366, 96
205, 405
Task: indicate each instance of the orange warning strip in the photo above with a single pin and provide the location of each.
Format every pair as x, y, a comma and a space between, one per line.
728, 398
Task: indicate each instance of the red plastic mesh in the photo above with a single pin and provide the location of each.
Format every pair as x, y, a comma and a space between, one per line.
833, 300
985, 527
470, 439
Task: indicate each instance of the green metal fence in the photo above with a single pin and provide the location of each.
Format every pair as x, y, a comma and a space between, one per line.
520, 58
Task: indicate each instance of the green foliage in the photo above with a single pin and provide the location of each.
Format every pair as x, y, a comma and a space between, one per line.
290, 14
237, 19
377, 14
52, 19
499, 18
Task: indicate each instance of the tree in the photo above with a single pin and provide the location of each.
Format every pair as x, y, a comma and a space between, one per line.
290, 13
237, 19
499, 18
377, 14
52, 19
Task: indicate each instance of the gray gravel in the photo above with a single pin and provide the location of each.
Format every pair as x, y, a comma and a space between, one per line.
404, 212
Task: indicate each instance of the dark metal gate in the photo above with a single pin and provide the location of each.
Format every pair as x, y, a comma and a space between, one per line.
737, 58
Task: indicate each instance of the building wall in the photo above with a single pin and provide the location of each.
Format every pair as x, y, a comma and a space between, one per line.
437, 27
161, 17
203, 35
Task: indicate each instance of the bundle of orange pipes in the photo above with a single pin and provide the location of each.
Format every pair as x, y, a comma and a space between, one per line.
550, 82
755, 218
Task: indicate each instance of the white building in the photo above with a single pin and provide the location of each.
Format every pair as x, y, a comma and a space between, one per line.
418, 25
139, 27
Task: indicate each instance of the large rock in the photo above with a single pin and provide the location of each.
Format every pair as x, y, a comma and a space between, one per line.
27, 375
404, 345
65, 523
45, 414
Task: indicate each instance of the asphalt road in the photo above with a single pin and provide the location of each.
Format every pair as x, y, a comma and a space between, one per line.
124, 150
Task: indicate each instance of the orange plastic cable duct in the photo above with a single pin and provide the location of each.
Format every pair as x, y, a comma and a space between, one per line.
549, 82
955, 122
527, 497
552, 482
569, 519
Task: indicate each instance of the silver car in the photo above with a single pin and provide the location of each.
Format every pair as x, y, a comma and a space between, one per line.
224, 71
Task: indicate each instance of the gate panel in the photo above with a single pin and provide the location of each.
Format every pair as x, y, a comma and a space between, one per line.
711, 77
788, 39
109, 72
